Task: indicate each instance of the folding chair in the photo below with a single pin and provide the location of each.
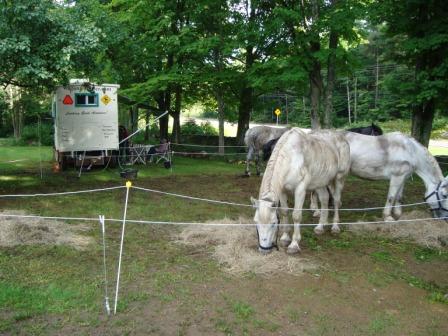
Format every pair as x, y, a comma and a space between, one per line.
138, 153
161, 153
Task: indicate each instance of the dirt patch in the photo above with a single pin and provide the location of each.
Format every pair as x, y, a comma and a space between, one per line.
235, 248
29, 231
431, 233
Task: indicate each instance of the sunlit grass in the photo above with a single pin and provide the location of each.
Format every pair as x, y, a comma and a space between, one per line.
45, 283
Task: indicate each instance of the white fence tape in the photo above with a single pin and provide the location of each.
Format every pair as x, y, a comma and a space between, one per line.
145, 222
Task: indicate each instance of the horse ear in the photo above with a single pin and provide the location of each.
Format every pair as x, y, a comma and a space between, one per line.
254, 202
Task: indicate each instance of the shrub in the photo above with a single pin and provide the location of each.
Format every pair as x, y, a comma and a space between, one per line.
30, 134
191, 128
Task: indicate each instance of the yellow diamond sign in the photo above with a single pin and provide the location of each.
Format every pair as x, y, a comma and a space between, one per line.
277, 112
106, 99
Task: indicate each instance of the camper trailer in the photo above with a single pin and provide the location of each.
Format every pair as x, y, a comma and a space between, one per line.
85, 124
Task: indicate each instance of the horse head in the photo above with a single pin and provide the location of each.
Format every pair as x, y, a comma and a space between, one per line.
268, 148
376, 130
438, 200
267, 221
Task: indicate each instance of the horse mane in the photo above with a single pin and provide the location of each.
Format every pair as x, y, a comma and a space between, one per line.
270, 185
429, 158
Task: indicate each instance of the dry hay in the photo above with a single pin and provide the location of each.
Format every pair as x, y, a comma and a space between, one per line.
29, 231
235, 248
431, 233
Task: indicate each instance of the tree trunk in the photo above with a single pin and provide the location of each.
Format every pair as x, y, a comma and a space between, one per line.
355, 104
147, 127
377, 74
331, 77
175, 135
14, 95
422, 119
348, 104
246, 97
17, 120
244, 111
316, 83
133, 118
315, 88
220, 100
163, 102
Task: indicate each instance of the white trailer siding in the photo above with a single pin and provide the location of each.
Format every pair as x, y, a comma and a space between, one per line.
86, 121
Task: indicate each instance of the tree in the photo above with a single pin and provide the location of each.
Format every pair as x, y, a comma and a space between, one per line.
39, 43
421, 27
39, 40
214, 49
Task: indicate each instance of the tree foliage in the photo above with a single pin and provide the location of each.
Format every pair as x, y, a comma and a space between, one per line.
39, 41
338, 61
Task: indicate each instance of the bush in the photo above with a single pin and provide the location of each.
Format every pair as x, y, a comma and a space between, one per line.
191, 128
30, 135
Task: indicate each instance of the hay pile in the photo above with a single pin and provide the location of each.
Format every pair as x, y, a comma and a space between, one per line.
235, 248
430, 233
29, 231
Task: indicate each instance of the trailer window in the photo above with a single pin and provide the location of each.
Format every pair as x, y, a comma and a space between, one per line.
86, 99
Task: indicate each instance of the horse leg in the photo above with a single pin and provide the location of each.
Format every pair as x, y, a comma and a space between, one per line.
323, 197
285, 239
314, 205
299, 198
250, 154
397, 210
257, 162
336, 191
396, 184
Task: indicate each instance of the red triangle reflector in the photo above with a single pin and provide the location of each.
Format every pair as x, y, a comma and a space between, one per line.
67, 100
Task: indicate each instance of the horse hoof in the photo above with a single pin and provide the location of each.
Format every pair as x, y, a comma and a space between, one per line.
285, 242
316, 213
335, 230
318, 230
293, 250
389, 219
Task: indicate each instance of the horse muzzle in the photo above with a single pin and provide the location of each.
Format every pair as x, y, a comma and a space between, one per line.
265, 250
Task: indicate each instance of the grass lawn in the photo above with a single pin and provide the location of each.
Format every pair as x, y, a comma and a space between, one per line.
365, 284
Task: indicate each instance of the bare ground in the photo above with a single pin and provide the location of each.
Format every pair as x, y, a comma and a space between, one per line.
346, 285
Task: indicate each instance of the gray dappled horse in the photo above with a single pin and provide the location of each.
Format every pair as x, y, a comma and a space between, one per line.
373, 130
255, 138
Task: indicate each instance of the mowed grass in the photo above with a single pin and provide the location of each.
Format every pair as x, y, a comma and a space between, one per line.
47, 289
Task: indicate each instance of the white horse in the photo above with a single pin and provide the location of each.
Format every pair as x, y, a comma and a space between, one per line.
255, 138
395, 157
300, 162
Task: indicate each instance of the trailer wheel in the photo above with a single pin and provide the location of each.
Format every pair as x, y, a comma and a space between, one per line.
63, 163
112, 161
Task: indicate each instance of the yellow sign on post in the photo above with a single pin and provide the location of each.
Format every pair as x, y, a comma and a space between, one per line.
277, 112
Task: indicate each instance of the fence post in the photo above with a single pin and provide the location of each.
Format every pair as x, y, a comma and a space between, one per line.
106, 285
128, 186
